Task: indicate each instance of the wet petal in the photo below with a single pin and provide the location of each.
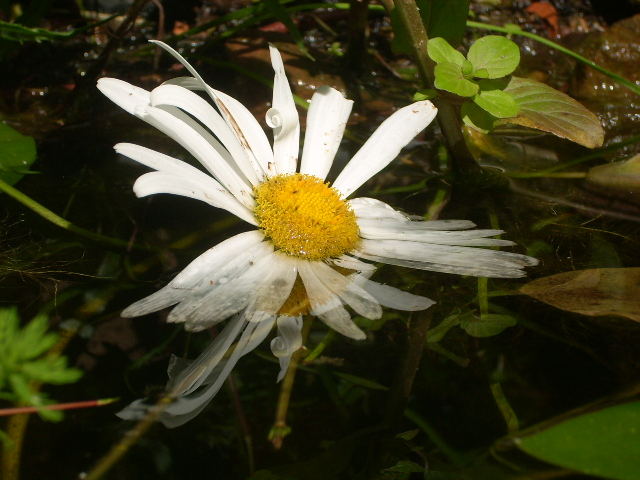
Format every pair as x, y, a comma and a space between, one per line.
175, 96
325, 304
205, 269
326, 120
447, 259
282, 117
392, 297
384, 145
288, 341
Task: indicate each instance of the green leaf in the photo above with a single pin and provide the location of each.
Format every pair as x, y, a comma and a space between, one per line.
445, 18
593, 292
54, 371
494, 56
405, 466
449, 77
476, 117
605, 443
17, 153
545, 108
624, 177
440, 51
487, 325
424, 94
498, 103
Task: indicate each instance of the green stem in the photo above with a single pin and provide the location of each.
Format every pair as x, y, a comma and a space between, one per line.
448, 118
47, 214
515, 30
280, 429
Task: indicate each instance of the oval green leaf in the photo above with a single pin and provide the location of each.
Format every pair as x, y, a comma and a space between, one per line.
440, 51
494, 56
605, 443
487, 325
498, 103
545, 108
449, 77
17, 153
621, 176
593, 292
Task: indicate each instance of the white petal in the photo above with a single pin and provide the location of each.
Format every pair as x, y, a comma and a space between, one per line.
326, 121
443, 258
339, 320
325, 304
201, 149
197, 272
275, 287
196, 106
393, 297
350, 263
348, 291
247, 129
126, 96
240, 120
288, 341
282, 117
205, 189
226, 291
384, 145
415, 231
193, 401
371, 208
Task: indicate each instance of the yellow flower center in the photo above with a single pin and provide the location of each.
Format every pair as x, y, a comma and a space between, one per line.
304, 217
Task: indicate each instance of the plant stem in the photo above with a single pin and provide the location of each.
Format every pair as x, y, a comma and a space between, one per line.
280, 429
406, 374
47, 214
515, 30
448, 117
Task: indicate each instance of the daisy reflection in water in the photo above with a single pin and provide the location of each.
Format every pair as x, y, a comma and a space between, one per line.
307, 252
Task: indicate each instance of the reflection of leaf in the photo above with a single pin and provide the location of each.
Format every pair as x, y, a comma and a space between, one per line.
488, 325
547, 109
622, 176
594, 292
604, 443
17, 153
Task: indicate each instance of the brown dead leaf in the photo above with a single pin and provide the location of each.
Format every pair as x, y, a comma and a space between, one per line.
594, 292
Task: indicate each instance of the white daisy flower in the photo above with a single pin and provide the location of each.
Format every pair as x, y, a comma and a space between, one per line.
306, 254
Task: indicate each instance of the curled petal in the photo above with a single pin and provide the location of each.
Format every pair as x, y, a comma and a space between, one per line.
288, 341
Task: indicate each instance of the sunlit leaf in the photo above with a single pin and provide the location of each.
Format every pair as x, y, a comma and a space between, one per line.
593, 292
449, 77
440, 51
498, 103
545, 108
487, 325
605, 443
494, 56
17, 153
